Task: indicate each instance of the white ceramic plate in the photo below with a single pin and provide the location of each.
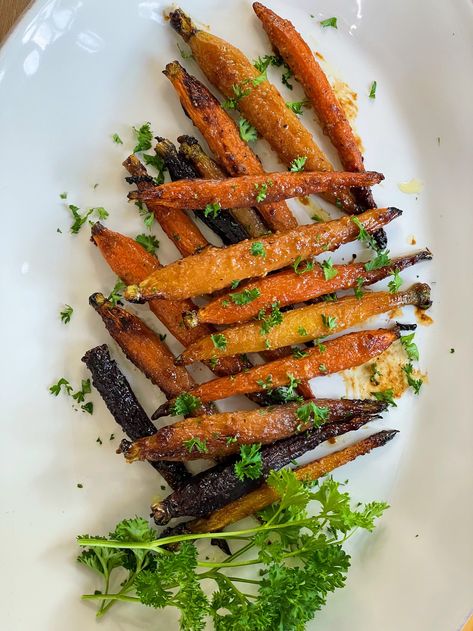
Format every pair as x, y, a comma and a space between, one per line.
73, 73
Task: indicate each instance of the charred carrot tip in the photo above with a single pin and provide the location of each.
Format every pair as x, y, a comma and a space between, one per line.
133, 293
97, 300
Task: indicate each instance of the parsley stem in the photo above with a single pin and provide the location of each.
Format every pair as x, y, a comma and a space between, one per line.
110, 597
227, 564
243, 580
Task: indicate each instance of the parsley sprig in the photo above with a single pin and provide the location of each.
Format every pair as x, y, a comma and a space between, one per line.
250, 463
185, 404
270, 319
301, 557
66, 314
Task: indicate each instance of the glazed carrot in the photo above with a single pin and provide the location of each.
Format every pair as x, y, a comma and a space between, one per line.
249, 189
300, 59
131, 262
142, 347
266, 495
263, 106
224, 140
339, 354
216, 268
290, 287
177, 224
222, 434
209, 169
302, 325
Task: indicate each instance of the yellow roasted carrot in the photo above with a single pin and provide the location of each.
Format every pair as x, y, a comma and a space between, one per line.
275, 329
216, 268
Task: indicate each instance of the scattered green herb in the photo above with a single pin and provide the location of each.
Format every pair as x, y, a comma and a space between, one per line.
115, 295
99, 440
257, 249
247, 132
310, 412
116, 139
270, 319
219, 341
395, 282
308, 266
234, 284
328, 269
415, 384
184, 53
329, 322
230, 440
144, 137
85, 388
185, 404
380, 260
302, 331
66, 314
298, 353
298, 164
196, 444
266, 384
148, 241
246, 296
212, 210
372, 94
63, 195
358, 287
375, 374
332, 22
62, 383
385, 395
297, 107
410, 346
250, 463
262, 191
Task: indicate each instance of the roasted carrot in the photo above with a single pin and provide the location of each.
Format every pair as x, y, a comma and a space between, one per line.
179, 168
290, 287
266, 495
339, 354
177, 224
125, 408
209, 169
302, 325
213, 488
300, 59
222, 434
224, 140
216, 268
249, 189
131, 262
263, 106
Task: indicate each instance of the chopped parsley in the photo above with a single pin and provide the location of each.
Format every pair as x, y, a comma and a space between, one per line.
88, 407
323, 368
148, 217
372, 94
364, 235
115, 295
196, 444
63, 195
219, 341
296, 106
375, 374
234, 284
144, 137
329, 22
266, 384
148, 241
286, 75
320, 347
239, 93
270, 319
250, 464
257, 249
308, 266
261, 63
212, 210
246, 296
158, 163
312, 413
185, 404
247, 132
62, 383
329, 322
116, 139
298, 353
328, 269
262, 191
415, 384
230, 440
387, 396
66, 314
298, 164
395, 282
380, 260
79, 220
86, 388
358, 287
410, 347
302, 331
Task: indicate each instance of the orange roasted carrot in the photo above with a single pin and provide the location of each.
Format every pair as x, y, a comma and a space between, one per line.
302, 325
339, 354
224, 140
300, 59
222, 434
266, 495
250, 189
209, 169
216, 268
262, 105
132, 263
142, 347
178, 226
290, 287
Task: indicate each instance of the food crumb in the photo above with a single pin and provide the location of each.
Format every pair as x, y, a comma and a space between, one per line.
452, 350
80, 485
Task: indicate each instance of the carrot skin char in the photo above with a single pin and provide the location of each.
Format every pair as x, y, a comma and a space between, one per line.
307, 323
216, 268
265, 495
255, 426
288, 288
225, 66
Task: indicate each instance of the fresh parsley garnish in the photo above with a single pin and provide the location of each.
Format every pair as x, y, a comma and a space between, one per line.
144, 137
298, 353
239, 93
375, 374
329, 322
234, 284
196, 444
380, 260
116, 139
310, 412
115, 295
328, 269
85, 388
247, 132
230, 440
63, 195
79, 220
262, 191
286, 75
270, 319
358, 287
158, 163
250, 463
320, 347
308, 266
385, 395
323, 368
297, 107
219, 341
395, 282
364, 235
332, 22
261, 63
257, 249
266, 384
372, 94
302, 331
148, 241
212, 210
297, 164
66, 314
415, 384
185, 404
62, 383
245, 296
148, 217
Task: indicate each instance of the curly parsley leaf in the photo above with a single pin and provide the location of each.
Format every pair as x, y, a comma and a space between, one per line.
196, 444
55, 389
297, 107
415, 384
310, 412
250, 463
219, 341
328, 269
308, 266
144, 137
116, 294
270, 319
395, 283
410, 346
66, 314
257, 249
329, 322
246, 296
212, 210
380, 260
148, 241
385, 395
116, 139
247, 132
297, 165
329, 22
185, 404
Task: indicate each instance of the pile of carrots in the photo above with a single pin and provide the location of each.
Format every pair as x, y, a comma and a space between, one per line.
264, 288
